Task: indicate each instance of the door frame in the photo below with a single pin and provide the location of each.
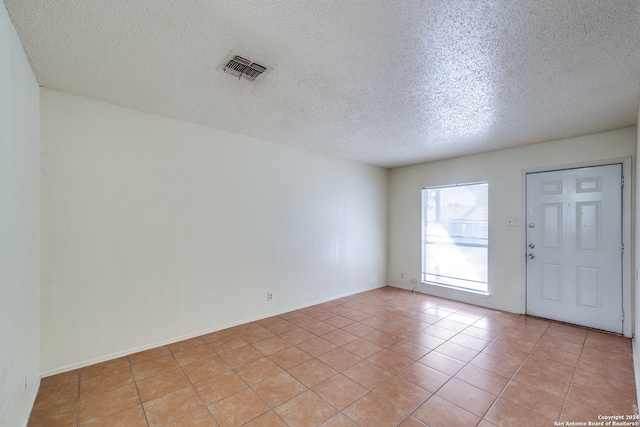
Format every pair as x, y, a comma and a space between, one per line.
627, 231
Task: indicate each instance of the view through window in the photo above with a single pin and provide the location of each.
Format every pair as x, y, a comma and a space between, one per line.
455, 236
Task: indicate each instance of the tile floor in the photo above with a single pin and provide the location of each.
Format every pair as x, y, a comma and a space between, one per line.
386, 357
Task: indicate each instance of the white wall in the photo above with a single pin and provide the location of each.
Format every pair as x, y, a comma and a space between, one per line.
19, 229
636, 291
504, 171
155, 229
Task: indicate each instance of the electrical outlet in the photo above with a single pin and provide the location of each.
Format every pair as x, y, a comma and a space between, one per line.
414, 282
402, 275
269, 296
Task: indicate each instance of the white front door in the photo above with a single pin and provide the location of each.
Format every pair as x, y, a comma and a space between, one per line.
574, 246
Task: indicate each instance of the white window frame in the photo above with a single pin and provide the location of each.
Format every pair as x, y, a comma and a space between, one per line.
463, 284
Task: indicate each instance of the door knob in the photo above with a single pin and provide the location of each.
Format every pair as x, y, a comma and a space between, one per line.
531, 256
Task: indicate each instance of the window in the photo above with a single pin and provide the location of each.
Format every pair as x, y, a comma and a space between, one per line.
455, 236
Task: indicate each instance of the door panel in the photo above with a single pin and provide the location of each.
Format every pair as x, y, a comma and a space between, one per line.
574, 238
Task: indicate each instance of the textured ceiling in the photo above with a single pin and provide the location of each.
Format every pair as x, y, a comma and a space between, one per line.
382, 82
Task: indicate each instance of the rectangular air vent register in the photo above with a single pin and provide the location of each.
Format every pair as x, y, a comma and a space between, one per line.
241, 67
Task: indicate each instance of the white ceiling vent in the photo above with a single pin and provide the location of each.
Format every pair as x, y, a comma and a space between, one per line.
242, 67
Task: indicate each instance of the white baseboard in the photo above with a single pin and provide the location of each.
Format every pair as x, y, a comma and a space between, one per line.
636, 369
129, 351
32, 401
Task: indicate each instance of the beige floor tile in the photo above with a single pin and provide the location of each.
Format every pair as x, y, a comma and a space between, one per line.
268, 419
277, 390
186, 344
390, 361
238, 409
109, 403
425, 340
271, 345
405, 395
302, 320
256, 335
358, 329
440, 332
340, 359
578, 413
485, 380
71, 377
260, 370
593, 396
438, 412
538, 401
65, 416
363, 348
107, 381
340, 391
556, 355
505, 413
408, 349
204, 369
157, 386
199, 418
241, 356
613, 371
227, 343
312, 372
277, 325
319, 328
193, 354
132, 417
412, 422
290, 357
56, 397
172, 406
483, 334
371, 410
306, 409
317, 346
339, 337
367, 374
559, 344
153, 367
101, 368
442, 362
457, 351
495, 364
339, 321
543, 374
219, 387
298, 336
425, 377
506, 350
338, 420
382, 339
466, 396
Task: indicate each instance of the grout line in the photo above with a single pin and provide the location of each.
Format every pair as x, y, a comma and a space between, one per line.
512, 379
144, 412
575, 369
78, 402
